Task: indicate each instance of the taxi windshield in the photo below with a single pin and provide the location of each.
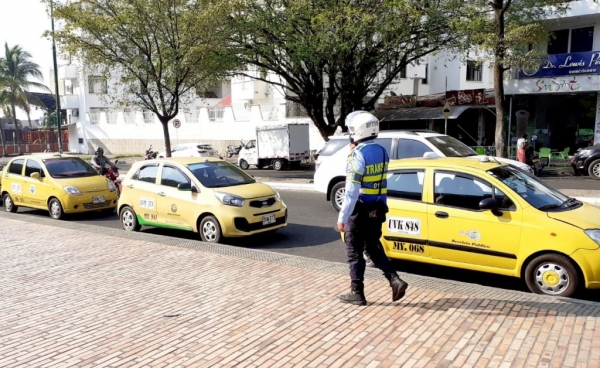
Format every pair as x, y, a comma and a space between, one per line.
69, 167
534, 191
219, 174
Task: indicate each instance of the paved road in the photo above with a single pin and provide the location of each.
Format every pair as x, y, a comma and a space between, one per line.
311, 233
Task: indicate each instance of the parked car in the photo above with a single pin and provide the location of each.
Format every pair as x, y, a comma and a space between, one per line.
330, 164
482, 215
587, 161
191, 150
61, 184
205, 195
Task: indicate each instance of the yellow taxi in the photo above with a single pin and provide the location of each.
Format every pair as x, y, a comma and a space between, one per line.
59, 183
205, 195
491, 217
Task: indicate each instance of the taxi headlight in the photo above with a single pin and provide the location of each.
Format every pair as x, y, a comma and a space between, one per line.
111, 186
230, 199
277, 194
594, 234
72, 190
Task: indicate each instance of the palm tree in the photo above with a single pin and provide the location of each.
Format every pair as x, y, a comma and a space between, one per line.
4, 107
16, 68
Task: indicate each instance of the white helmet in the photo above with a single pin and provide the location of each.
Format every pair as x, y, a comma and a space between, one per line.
361, 125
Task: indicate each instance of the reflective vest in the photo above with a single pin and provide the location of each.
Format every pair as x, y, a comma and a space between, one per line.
374, 176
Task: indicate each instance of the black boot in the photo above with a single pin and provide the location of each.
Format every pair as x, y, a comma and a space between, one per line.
398, 287
357, 294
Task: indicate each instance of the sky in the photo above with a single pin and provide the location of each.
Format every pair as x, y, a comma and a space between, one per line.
23, 22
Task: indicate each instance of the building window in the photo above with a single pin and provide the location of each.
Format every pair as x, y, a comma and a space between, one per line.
424, 81
564, 41
474, 71
97, 85
582, 39
403, 72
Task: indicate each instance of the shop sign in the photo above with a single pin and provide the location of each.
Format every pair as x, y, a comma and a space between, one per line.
466, 97
575, 63
573, 84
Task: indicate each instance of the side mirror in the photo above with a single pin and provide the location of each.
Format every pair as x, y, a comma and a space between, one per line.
35, 175
488, 204
187, 187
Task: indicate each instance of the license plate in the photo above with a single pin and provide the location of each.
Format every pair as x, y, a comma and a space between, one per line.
268, 219
99, 199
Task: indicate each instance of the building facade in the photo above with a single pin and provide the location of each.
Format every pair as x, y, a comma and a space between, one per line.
559, 101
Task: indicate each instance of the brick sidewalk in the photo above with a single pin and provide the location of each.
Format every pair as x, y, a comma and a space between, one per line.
76, 296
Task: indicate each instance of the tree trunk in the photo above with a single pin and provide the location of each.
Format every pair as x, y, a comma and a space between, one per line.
167, 137
499, 53
2, 139
17, 134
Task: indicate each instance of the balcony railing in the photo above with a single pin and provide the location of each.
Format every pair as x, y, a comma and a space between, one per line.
216, 113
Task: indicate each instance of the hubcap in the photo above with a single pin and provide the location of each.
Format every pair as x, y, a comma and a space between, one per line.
596, 170
209, 230
339, 197
278, 165
55, 209
127, 220
8, 204
551, 278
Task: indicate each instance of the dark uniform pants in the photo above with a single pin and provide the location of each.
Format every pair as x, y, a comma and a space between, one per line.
363, 233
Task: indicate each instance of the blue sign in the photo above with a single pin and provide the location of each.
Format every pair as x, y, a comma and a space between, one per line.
565, 64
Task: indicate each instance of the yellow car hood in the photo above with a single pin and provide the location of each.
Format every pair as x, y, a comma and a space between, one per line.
584, 217
88, 184
248, 191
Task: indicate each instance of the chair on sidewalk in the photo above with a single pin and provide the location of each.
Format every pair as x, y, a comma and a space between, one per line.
544, 155
480, 150
563, 155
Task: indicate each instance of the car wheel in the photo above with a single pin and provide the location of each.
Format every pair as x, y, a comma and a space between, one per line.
277, 165
9, 205
55, 209
594, 169
129, 220
551, 274
210, 230
337, 195
244, 165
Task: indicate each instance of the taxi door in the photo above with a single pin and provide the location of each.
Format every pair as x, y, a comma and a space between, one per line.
460, 232
142, 189
175, 207
35, 191
406, 229
13, 181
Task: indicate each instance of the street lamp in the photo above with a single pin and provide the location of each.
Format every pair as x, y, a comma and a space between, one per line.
60, 150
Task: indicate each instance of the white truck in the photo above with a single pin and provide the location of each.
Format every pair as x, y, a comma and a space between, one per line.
280, 146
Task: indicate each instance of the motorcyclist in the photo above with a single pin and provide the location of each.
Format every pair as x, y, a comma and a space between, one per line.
99, 161
365, 205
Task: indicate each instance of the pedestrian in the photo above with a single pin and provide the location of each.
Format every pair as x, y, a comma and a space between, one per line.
364, 207
521, 147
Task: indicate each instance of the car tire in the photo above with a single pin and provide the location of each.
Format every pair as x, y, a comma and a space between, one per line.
55, 209
277, 165
244, 165
9, 205
594, 169
129, 220
210, 230
552, 274
337, 195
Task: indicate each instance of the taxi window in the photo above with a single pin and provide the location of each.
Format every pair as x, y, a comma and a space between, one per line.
33, 166
16, 167
147, 174
463, 191
172, 177
406, 185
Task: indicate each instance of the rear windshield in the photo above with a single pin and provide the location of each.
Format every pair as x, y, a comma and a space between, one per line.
451, 147
205, 147
69, 167
333, 145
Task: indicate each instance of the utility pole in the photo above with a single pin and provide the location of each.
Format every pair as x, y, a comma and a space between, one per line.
58, 118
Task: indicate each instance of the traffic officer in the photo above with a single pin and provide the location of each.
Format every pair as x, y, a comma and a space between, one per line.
364, 207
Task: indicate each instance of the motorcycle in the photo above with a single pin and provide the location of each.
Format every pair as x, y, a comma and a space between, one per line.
112, 174
150, 155
533, 160
234, 150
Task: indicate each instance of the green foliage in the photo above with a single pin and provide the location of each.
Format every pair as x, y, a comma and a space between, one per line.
337, 56
159, 50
